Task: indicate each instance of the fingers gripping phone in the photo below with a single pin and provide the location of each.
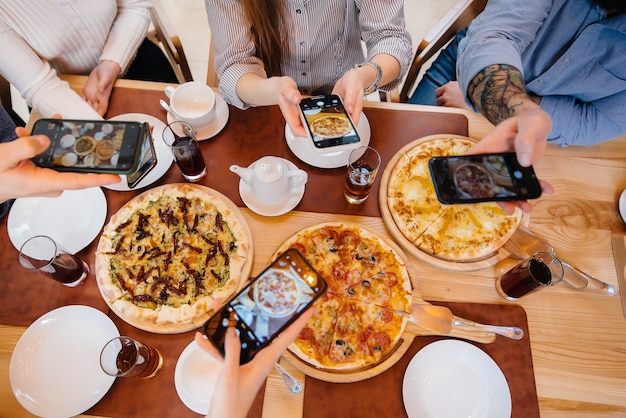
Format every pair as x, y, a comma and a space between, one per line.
147, 161
482, 178
92, 146
328, 124
267, 305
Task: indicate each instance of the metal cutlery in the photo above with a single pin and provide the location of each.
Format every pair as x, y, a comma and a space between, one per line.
292, 383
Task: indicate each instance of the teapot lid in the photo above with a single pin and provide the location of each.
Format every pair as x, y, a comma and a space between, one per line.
269, 169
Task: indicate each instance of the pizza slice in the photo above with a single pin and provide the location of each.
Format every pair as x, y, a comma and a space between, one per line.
315, 339
349, 349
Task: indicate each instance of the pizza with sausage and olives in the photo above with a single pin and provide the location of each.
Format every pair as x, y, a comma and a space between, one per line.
357, 323
168, 253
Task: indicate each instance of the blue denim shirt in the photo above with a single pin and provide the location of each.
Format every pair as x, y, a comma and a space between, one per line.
570, 55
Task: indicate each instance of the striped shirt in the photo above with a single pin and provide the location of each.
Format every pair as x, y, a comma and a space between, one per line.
324, 41
42, 37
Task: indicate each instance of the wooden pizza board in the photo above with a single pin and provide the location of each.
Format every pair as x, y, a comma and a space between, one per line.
405, 243
197, 322
410, 332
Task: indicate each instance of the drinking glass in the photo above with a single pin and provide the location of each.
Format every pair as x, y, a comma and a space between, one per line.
538, 271
124, 357
181, 138
41, 253
363, 165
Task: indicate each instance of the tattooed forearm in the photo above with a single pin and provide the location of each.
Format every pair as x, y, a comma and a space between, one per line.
498, 91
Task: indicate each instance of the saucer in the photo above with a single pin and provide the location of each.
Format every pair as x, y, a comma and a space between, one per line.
271, 209
304, 150
195, 377
163, 154
216, 126
622, 205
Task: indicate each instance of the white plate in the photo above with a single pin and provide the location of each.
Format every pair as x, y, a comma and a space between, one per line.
218, 123
195, 376
622, 205
304, 150
55, 367
73, 219
451, 379
271, 209
163, 153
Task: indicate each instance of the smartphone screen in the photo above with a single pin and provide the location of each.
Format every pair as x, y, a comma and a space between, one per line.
481, 178
147, 161
90, 146
267, 305
327, 121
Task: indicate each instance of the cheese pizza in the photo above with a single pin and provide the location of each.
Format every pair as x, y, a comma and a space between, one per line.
357, 323
461, 233
166, 254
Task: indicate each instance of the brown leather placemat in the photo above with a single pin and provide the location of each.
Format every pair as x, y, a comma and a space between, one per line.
381, 396
256, 132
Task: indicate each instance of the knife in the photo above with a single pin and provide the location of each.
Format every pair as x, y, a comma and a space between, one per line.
619, 254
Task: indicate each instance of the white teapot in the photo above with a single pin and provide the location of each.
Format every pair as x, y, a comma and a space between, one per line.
270, 179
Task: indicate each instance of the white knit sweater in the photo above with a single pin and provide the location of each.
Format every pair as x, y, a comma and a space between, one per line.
39, 38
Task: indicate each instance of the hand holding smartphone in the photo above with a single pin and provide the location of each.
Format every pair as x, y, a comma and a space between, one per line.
328, 124
91, 146
483, 178
267, 305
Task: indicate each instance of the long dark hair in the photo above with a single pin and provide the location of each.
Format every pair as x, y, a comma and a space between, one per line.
613, 7
269, 31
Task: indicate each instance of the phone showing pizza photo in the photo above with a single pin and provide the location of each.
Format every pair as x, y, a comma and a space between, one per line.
147, 161
328, 124
482, 178
91, 146
267, 305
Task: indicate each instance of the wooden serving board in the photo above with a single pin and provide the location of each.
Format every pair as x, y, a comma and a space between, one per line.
409, 246
172, 328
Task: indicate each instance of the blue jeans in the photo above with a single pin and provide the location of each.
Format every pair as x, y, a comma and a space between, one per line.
442, 70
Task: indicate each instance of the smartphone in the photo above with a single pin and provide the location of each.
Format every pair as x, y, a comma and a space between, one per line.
92, 146
482, 178
328, 124
267, 305
147, 161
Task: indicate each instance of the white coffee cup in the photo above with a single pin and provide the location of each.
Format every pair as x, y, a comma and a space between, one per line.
192, 102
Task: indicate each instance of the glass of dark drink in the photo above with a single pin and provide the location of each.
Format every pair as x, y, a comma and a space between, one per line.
540, 270
181, 138
124, 357
41, 253
363, 165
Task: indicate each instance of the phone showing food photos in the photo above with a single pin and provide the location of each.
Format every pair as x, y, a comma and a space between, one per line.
329, 126
147, 161
91, 146
267, 305
482, 178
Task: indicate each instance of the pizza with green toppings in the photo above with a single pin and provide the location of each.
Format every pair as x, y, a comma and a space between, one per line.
168, 253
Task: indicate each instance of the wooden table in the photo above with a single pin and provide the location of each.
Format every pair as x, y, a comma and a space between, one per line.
577, 338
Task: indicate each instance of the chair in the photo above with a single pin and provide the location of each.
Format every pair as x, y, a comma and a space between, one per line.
457, 18
7, 102
167, 38
211, 75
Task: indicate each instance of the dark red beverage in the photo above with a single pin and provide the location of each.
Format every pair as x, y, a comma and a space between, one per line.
359, 182
522, 279
144, 362
67, 269
189, 158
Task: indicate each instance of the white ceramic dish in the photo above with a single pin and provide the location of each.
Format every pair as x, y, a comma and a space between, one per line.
622, 205
195, 376
55, 367
271, 209
218, 123
73, 219
163, 153
304, 150
451, 379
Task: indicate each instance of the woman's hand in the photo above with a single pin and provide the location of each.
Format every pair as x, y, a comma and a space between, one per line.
99, 85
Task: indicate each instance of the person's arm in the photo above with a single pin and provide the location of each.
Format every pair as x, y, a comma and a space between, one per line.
126, 34
236, 385
20, 177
